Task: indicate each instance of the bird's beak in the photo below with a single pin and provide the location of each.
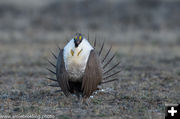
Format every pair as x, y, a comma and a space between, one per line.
77, 42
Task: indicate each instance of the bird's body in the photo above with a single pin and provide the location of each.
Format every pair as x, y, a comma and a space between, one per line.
75, 63
79, 69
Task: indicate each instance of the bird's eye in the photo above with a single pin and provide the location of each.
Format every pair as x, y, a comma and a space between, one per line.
80, 37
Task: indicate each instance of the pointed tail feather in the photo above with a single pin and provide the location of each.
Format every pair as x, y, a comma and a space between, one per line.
51, 79
112, 68
58, 47
54, 55
57, 91
111, 75
51, 71
109, 61
53, 85
101, 48
109, 81
107, 54
67, 40
52, 64
95, 42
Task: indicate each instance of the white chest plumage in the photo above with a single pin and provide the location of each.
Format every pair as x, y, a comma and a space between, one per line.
75, 63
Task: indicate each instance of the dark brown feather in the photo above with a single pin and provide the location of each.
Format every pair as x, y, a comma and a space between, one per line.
57, 91
52, 64
51, 71
67, 40
95, 42
54, 55
92, 76
58, 47
101, 48
51, 79
111, 75
62, 75
109, 61
53, 85
107, 54
112, 68
109, 81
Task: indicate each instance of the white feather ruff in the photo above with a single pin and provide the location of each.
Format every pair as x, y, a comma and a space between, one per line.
76, 64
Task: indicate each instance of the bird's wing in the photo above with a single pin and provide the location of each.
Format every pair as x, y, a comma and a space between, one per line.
92, 76
61, 74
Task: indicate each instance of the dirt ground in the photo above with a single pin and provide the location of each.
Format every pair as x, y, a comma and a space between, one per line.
150, 78
149, 53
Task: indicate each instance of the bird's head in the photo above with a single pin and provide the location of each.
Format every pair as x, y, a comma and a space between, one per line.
78, 39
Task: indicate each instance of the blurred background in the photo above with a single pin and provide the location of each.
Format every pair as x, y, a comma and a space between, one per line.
145, 34
124, 20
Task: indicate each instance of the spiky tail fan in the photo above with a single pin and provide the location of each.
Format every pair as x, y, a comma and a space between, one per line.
105, 61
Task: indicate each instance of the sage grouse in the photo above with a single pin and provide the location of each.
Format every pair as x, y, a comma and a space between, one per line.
79, 68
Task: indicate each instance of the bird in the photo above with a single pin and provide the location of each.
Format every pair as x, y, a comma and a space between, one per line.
80, 68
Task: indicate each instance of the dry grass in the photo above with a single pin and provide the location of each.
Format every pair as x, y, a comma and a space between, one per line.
150, 78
